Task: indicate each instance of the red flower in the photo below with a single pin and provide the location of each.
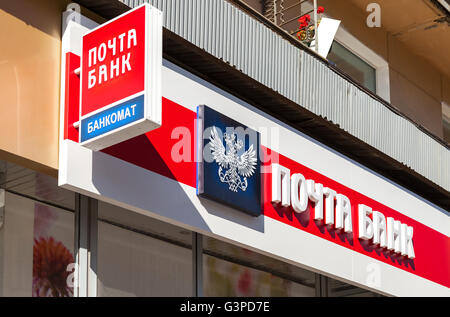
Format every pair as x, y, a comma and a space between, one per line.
244, 283
305, 17
304, 21
320, 10
50, 261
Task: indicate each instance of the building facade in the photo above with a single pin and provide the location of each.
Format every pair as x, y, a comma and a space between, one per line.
270, 170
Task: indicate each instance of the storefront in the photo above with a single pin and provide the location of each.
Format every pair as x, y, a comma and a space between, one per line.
284, 206
136, 256
218, 199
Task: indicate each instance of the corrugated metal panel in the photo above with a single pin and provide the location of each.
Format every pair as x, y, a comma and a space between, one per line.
329, 95
228, 33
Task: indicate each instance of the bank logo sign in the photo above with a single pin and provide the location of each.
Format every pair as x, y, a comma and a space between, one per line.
228, 169
121, 78
231, 165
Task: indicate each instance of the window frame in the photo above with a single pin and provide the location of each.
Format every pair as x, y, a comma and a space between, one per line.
380, 65
355, 46
445, 118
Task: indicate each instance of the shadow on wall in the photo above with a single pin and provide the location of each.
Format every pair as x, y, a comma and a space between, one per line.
41, 14
393, 257
159, 193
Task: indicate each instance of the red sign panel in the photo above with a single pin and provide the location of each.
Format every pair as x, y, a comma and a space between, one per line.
116, 79
113, 62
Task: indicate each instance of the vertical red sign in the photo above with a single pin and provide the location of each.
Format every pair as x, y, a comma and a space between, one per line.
113, 61
121, 60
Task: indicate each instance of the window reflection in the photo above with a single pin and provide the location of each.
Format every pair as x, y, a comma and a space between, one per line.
353, 66
227, 279
141, 256
233, 271
36, 249
340, 289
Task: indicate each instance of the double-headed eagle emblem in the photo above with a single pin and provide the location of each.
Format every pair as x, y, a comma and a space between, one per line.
234, 165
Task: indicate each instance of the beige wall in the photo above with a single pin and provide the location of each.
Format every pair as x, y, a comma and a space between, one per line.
446, 90
354, 21
416, 103
416, 86
29, 82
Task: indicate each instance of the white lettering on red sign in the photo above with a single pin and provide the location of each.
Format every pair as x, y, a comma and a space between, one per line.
390, 234
295, 191
119, 46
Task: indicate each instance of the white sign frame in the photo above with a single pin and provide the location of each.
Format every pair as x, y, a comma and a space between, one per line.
152, 86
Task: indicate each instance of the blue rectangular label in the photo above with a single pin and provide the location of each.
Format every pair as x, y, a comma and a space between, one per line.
112, 118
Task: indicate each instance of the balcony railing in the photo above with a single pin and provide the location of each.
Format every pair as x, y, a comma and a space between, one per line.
264, 52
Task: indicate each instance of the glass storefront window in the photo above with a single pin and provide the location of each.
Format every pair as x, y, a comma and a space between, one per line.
144, 224
141, 256
353, 66
28, 183
36, 249
227, 279
232, 271
340, 289
138, 256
